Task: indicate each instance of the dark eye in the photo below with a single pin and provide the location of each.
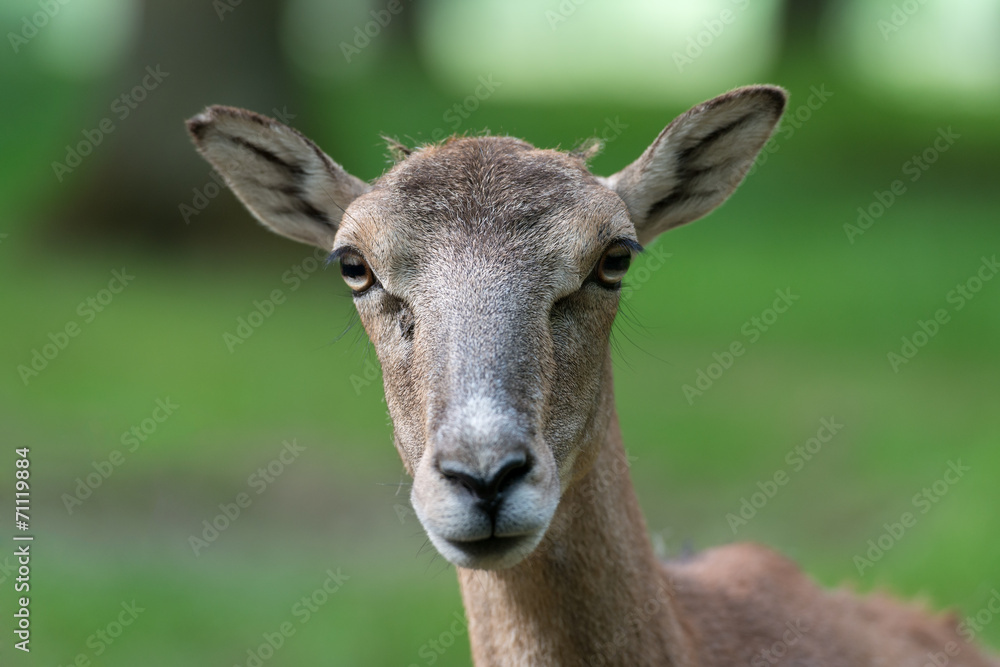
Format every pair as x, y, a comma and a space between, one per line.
614, 264
357, 274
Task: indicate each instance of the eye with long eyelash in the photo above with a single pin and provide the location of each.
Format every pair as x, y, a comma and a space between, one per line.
614, 264
356, 272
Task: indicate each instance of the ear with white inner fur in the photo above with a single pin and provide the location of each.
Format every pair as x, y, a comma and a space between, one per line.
283, 178
698, 160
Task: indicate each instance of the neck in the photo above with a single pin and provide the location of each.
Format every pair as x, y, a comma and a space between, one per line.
591, 594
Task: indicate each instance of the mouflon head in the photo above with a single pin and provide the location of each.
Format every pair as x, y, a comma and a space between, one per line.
486, 273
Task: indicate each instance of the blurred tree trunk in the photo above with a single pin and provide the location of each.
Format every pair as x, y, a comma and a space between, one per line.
802, 29
137, 181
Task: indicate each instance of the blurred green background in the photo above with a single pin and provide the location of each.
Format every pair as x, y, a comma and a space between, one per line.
98, 176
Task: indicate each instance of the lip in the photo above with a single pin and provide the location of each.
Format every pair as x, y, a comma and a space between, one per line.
491, 552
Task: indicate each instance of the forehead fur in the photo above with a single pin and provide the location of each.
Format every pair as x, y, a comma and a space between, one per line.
486, 182
494, 193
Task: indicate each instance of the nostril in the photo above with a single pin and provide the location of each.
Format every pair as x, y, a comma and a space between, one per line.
460, 475
508, 472
511, 471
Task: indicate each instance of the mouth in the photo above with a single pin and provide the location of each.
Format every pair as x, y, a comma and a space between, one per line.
490, 553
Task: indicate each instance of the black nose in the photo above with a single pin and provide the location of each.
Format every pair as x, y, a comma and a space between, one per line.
487, 487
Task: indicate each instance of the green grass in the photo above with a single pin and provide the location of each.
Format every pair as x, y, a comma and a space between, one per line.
340, 504
337, 505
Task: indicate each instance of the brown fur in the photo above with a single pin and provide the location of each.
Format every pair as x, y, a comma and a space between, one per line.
492, 330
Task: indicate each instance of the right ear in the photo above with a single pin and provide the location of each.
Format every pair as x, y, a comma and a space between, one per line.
284, 179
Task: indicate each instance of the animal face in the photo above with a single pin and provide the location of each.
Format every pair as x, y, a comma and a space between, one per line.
486, 274
490, 314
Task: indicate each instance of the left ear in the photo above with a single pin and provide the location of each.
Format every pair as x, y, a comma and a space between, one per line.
698, 160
